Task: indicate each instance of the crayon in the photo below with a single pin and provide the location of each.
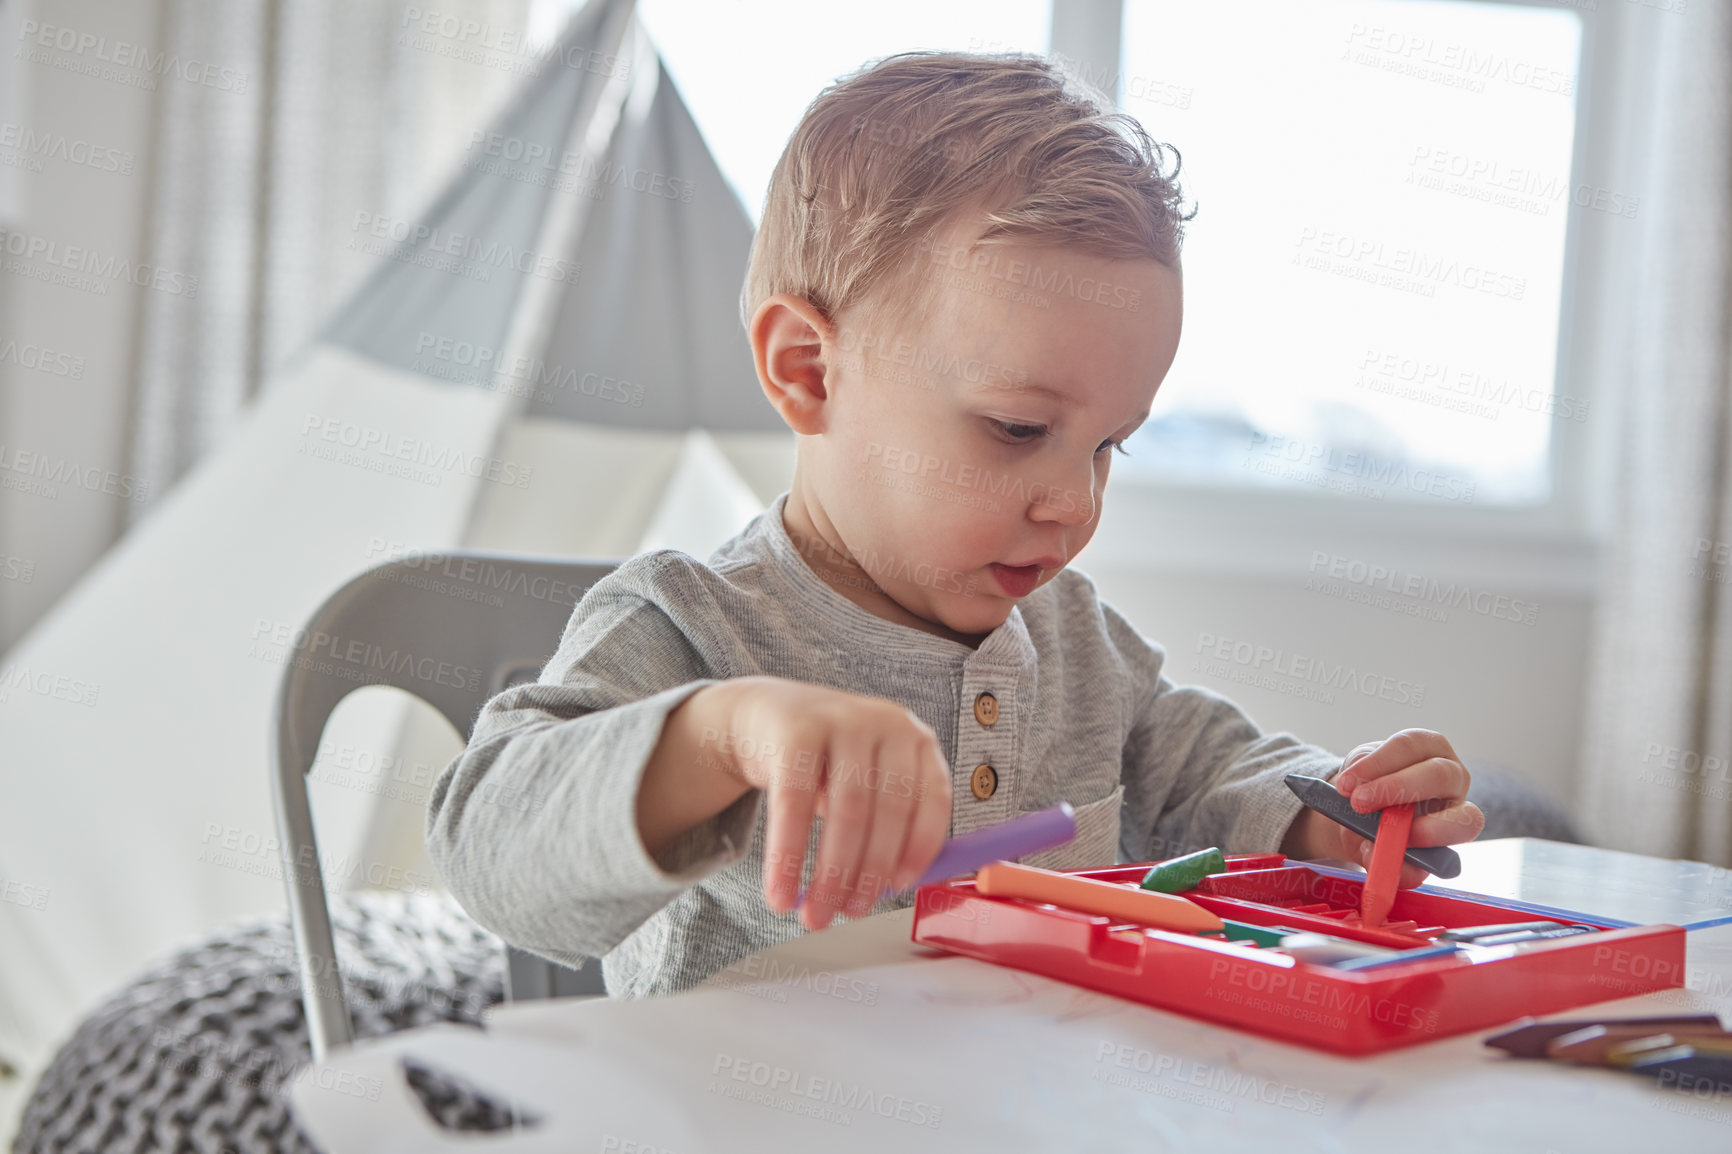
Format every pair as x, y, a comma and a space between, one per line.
1384, 874
1703, 1072
1636, 1051
1612, 1044
1090, 896
1328, 950
1183, 873
1530, 936
1017, 837
1323, 797
1399, 957
1528, 1038
1257, 935
1013, 838
1474, 933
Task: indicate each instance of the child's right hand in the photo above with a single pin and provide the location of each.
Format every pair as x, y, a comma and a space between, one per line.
870, 768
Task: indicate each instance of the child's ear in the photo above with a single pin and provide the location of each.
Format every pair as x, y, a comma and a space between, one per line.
787, 335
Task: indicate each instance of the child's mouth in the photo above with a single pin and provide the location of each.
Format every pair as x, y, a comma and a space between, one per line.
1016, 581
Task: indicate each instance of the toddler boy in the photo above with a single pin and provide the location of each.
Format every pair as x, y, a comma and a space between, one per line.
962, 298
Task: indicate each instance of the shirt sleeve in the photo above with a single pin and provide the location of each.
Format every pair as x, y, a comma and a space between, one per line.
533, 827
1198, 772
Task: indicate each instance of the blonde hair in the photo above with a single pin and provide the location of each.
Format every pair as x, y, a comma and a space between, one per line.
892, 154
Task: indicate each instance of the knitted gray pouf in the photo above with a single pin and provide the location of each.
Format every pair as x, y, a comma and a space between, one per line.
196, 1055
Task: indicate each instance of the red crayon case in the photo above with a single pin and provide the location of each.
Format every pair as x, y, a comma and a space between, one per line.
1347, 1011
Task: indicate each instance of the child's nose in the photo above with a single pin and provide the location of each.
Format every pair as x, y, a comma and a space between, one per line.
1066, 504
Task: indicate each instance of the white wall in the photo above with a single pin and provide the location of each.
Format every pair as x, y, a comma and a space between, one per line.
1502, 692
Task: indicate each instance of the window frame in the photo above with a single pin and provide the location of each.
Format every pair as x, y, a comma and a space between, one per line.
1167, 525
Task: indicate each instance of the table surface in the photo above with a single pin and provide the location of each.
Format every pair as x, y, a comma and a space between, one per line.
857, 1039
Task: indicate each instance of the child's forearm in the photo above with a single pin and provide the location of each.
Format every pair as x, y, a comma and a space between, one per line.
1311, 836
690, 775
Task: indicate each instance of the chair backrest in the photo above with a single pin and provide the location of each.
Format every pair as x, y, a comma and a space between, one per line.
453, 629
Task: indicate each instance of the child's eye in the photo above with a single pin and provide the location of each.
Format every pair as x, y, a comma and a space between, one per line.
1020, 432
1111, 444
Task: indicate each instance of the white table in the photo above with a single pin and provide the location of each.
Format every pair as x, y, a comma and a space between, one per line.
855, 1039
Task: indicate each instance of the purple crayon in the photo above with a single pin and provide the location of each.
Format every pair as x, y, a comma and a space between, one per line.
1006, 841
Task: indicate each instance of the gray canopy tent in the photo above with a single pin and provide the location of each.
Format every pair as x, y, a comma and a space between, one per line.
584, 261
590, 244
634, 249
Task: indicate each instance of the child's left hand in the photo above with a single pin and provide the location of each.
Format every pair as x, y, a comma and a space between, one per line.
1413, 766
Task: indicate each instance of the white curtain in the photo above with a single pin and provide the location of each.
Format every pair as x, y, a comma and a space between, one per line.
261, 532
351, 108
1659, 711
251, 188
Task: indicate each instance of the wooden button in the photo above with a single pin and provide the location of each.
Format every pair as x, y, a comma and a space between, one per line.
984, 781
986, 709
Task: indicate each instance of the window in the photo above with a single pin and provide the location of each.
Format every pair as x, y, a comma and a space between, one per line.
1374, 278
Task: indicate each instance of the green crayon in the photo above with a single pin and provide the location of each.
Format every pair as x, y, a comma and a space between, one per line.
1256, 935
1183, 873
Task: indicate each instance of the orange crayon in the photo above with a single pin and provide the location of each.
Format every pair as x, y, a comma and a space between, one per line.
1090, 896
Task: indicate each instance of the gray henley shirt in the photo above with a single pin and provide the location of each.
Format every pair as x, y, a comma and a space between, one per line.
1084, 715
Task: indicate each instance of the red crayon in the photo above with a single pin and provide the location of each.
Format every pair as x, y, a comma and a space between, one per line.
1383, 876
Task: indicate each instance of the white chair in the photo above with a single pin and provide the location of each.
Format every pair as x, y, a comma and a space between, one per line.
411, 622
